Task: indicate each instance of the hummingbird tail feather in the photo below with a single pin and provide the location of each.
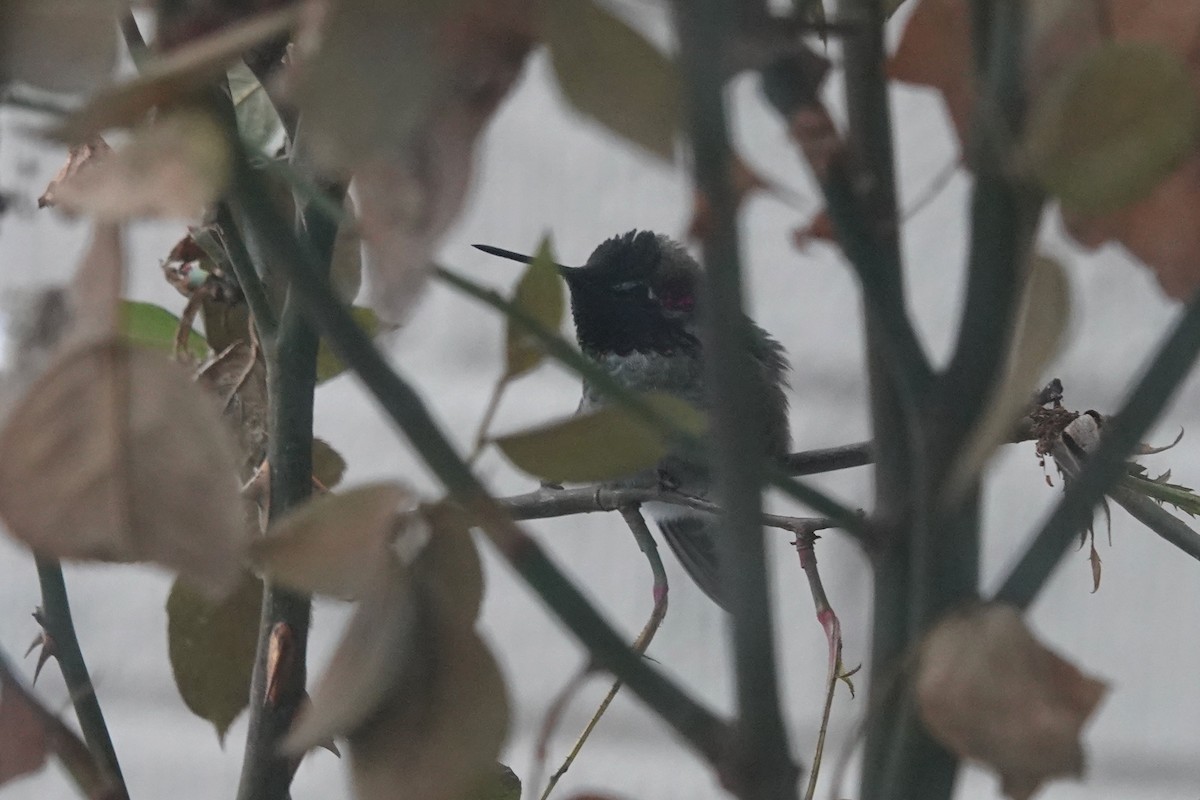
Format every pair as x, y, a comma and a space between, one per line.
693, 541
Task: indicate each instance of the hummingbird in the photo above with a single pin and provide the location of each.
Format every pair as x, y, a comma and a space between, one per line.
636, 304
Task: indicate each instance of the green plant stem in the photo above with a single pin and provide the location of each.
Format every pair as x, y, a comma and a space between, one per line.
766, 770
292, 378
242, 263
59, 627
1106, 465
703, 730
1004, 217
645, 540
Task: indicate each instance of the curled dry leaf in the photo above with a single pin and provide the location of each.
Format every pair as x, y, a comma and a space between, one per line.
114, 454
335, 544
53, 44
173, 167
396, 94
988, 690
80, 156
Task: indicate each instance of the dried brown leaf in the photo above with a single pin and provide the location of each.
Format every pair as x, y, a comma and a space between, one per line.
80, 156
115, 455
95, 291
988, 690
173, 167
335, 544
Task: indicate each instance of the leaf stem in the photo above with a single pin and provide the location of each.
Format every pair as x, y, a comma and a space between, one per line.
59, 626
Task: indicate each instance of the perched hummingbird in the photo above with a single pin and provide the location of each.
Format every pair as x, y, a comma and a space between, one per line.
636, 306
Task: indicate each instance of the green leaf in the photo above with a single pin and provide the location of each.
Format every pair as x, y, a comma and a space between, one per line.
257, 120
1112, 126
152, 326
1160, 490
212, 649
497, 783
328, 464
1040, 325
600, 445
328, 365
609, 72
540, 294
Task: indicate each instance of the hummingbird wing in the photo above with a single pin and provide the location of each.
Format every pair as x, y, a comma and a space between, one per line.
693, 541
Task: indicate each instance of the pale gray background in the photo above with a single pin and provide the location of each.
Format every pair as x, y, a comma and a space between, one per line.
541, 168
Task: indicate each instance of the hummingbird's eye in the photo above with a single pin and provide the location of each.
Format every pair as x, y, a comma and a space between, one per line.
677, 297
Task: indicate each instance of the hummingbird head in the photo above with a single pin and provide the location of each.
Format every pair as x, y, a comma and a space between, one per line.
637, 292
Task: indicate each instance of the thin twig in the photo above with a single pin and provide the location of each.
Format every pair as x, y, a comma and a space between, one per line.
637, 525
59, 628
832, 626
485, 422
546, 503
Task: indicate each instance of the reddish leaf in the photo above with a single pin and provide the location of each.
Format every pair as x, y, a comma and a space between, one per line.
24, 743
988, 690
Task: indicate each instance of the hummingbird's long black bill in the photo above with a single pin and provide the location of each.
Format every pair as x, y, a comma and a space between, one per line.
524, 259
500, 251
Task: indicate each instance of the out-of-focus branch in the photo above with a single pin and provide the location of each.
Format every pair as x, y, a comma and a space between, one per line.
766, 770
59, 632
